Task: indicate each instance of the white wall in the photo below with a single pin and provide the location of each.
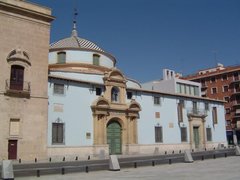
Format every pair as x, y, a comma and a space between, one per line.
79, 56
77, 115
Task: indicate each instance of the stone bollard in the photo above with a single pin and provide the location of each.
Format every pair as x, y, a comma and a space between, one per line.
113, 163
237, 151
188, 157
7, 170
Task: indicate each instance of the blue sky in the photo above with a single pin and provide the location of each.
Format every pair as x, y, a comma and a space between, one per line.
147, 36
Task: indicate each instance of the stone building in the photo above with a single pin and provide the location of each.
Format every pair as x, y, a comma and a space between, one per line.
24, 36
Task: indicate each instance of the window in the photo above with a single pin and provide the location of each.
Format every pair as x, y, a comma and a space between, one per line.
214, 115
98, 91
183, 134
129, 95
17, 77
187, 89
236, 88
158, 134
214, 90
195, 108
96, 58
224, 77
156, 100
180, 112
182, 88
206, 105
225, 88
209, 134
115, 94
227, 99
178, 88
57, 133
61, 57
182, 102
58, 89
227, 110
196, 91
213, 79
88, 135
228, 122
237, 100
235, 75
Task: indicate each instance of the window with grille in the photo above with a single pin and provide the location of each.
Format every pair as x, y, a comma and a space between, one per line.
58, 88
209, 134
157, 100
206, 106
183, 134
158, 134
180, 112
57, 133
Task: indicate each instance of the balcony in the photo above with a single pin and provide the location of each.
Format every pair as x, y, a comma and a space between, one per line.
236, 79
17, 88
204, 86
204, 93
197, 112
236, 103
236, 91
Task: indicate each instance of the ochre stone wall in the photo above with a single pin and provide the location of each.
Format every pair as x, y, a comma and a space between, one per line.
26, 31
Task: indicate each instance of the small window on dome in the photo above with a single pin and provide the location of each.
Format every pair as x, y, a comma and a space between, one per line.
61, 57
96, 58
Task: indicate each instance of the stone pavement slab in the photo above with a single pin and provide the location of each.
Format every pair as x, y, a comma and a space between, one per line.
214, 169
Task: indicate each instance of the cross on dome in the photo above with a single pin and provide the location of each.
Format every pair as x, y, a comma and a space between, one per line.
74, 31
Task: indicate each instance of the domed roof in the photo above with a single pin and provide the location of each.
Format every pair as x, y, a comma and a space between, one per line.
75, 42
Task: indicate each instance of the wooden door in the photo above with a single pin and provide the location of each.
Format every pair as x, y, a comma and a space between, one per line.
12, 149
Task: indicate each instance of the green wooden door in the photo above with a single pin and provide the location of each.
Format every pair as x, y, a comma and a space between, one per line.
114, 138
196, 136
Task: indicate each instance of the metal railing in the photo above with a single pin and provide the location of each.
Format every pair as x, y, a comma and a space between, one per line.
17, 86
197, 112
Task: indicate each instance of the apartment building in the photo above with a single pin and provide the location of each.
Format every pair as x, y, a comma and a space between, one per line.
222, 83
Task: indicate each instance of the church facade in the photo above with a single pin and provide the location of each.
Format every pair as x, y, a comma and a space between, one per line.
94, 108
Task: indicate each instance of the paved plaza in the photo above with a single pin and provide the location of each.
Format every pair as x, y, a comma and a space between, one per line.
214, 169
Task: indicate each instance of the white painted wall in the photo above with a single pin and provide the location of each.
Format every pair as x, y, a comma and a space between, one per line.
77, 116
79, 56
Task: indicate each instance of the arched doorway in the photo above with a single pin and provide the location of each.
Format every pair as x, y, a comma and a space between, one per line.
114, 139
